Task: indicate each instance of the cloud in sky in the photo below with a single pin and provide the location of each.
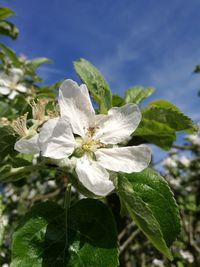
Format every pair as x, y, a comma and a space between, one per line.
142, 42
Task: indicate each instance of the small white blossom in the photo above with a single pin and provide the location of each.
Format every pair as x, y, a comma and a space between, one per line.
185, 161
158, 263
10, 84
187, 256
92, 139
194, 139
170, 162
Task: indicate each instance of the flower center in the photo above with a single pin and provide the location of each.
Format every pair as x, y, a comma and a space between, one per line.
87, 145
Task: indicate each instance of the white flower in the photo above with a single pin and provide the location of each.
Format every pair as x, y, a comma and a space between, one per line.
194, 139
9, 84
94, 140
170, 162
184, 161
187, 256
158, 263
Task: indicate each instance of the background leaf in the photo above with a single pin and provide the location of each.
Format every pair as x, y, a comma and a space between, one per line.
36, 62
5, 12
11, 54
136, 94
9, 29
95, 82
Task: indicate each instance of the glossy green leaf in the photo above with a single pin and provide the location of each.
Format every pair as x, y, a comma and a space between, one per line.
5, 12
136, 94
156, 133
151, 205
9, 29
164, 112
91, 239
95, 82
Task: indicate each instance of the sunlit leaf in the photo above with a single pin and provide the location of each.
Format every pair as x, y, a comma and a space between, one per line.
95, 82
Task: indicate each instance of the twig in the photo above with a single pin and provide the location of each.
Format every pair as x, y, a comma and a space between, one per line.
183, 147
123, 232
46, 196
128, 240
191, 236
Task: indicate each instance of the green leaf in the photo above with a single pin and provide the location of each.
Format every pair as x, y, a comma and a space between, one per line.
8, 29
5, 12
11, 54
91, 239
95, 82
136, 94
197, 69
7, 142
165, 112
117, 100
156, 133
36, 62
151, 205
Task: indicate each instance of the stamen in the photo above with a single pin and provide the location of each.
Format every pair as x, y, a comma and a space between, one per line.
38, 109
19, 125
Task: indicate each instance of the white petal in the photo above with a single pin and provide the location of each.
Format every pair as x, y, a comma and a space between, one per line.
12, 95
56, 139
124, 159
76, 106
94, 177
28, 146
118, 125
21, 88
4, 90
16, 74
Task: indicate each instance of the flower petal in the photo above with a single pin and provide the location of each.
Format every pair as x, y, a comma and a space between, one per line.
118, 125
76, 106
4, 90
28, 146
124, 159
21, 88
13, 94
94, 177
16, 74
56, 139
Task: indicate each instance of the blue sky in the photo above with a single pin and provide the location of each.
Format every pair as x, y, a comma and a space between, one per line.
133, 42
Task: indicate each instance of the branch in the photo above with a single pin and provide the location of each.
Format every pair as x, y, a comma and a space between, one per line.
46, 196
128, 241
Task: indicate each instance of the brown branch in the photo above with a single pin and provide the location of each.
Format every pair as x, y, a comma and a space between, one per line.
123, 232
46, 196
128, 241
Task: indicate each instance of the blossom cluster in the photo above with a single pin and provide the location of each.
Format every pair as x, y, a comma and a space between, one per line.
90, 143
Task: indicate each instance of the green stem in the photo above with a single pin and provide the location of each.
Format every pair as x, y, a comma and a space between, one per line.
66, 208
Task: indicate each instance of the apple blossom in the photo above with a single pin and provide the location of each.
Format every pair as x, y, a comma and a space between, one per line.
92, 139
10, 84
